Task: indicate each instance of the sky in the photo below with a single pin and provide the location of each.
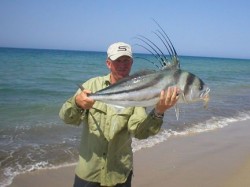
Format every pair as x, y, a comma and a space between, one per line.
211, 28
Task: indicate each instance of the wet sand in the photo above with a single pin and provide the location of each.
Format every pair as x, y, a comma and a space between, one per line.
219, 158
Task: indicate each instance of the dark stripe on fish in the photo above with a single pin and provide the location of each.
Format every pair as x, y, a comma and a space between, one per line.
177, 75
189, 82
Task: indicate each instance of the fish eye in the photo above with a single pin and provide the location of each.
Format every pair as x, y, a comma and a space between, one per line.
201, 87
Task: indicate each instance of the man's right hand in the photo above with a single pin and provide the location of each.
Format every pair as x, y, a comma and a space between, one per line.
83, 101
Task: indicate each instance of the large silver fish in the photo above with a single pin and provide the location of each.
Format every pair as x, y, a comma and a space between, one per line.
144, 88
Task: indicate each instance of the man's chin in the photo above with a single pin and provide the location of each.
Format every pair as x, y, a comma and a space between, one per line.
123, 75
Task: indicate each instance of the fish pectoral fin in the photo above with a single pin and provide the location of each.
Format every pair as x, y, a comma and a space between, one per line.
177, 111
183, 97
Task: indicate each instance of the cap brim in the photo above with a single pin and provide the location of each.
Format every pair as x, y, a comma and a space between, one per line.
116, 56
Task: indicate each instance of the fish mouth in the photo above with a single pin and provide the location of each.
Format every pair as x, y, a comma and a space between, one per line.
205, 97
205, 93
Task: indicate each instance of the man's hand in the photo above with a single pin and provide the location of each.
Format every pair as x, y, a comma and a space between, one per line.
83, 101
167, 99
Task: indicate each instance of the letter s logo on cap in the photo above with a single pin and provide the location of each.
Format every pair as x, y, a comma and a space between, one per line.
122, 48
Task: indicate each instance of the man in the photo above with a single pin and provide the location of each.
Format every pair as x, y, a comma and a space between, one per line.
106, 157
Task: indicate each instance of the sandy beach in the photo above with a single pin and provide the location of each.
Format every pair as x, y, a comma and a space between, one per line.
219, 158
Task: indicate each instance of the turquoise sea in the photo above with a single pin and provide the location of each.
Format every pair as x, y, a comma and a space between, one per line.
35, 83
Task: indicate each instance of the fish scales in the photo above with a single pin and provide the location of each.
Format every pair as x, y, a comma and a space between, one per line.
141, 91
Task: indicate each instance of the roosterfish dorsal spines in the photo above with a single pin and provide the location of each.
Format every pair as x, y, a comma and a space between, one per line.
171, 66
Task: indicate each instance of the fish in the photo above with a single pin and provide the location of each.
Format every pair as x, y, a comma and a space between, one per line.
143, 88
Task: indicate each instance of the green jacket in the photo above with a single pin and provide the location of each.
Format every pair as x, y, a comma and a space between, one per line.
105, 150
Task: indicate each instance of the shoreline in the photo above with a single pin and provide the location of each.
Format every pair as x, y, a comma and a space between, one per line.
216, 158
219, 158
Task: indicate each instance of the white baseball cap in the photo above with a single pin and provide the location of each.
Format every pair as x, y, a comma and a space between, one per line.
119, 49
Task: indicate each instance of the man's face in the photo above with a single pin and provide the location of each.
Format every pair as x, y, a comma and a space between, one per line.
120, 67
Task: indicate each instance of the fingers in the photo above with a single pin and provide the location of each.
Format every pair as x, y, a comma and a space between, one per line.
168, 99
162, 97
172, 96
83, 101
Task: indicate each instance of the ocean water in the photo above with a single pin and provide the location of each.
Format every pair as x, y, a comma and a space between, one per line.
35, 83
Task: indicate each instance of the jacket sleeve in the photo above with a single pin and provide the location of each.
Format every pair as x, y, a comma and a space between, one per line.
143, 125
70, 113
